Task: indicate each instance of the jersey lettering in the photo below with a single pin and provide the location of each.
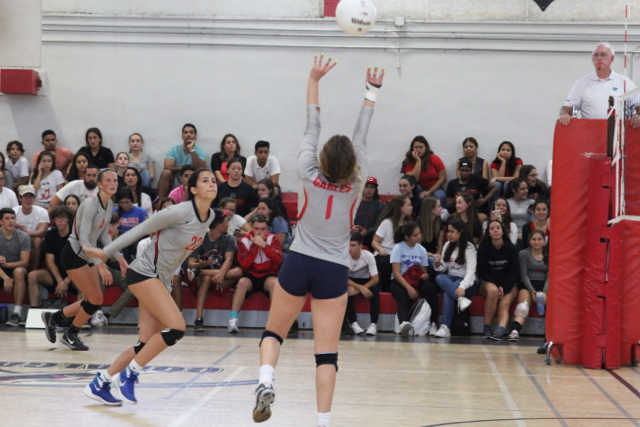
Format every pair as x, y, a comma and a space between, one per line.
331, 187
329, 207
196, 241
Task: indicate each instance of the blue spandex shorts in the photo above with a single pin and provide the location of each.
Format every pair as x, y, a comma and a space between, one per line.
301, 274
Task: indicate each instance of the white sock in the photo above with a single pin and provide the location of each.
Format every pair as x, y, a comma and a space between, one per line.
324, 419
266, 374
106, 375
135, 367
17, 309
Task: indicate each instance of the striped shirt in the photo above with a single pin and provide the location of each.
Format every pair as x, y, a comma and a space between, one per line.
179, 231
327, 210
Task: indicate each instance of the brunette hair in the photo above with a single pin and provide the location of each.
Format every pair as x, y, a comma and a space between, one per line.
92, 130
393, 211
511, 163
223, 154
430, 228
73, 169
524, 174
42, 155
472, 212
412, 181
487, 235
408, 157
461, 244
405, 231
338, 162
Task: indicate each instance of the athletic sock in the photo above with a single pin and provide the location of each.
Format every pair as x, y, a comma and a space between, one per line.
487, 328
107, 315
516, 326
234, 314
73, 330
324, 419
266, 374
500, 330
135, 367
106, 375
58, 316
17, 310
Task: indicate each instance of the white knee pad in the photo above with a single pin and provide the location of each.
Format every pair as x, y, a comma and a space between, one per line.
522, 309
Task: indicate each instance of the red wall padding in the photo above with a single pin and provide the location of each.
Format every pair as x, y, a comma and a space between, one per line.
630, 298
613, 309
573, 147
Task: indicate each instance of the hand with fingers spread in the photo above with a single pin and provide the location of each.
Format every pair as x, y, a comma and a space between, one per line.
321, 68
373, 83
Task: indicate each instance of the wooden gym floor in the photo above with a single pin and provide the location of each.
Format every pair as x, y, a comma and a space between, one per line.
208, 380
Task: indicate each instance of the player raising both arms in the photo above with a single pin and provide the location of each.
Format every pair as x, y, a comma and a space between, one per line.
179, 230
91, 222
318, 261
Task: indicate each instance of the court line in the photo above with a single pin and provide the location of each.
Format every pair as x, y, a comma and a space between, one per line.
625, 383
207, 397
608, 396
522, 419
194, 379
503, 387
541, 391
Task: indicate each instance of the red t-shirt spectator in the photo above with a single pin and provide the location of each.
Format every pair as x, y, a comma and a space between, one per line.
507, 172
428, 176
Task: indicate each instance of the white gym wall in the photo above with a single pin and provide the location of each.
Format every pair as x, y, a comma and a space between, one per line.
494, 69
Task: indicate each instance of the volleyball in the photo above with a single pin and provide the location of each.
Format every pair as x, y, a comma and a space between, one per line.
356, 17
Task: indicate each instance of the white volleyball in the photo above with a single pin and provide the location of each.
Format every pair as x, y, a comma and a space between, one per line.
356, 17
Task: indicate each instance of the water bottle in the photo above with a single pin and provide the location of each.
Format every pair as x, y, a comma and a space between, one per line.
540, 299
4, 313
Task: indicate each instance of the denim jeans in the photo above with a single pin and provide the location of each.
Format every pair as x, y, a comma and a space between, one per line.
449, 284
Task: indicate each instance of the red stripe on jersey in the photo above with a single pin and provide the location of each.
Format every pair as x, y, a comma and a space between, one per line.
329, 206
353, 206
304, 206
155, 257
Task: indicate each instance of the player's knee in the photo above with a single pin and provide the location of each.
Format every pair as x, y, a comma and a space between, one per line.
269, 334
90, 308
171, 336
327, 359
138, 346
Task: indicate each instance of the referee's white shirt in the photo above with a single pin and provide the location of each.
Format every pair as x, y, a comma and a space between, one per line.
591, 94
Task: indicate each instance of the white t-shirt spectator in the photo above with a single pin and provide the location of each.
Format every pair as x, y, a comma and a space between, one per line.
253, 170
37, 216
8, 198
76, 187
385, 231
235, 223
49, 187
363, 267
19, 169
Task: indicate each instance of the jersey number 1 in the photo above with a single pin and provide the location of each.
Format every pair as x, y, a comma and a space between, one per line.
329, 207
196, 242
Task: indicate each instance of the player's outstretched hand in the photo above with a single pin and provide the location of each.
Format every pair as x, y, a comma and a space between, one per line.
321, 67
375, 76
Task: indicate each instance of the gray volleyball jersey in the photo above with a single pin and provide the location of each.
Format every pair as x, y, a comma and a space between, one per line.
91, 222
326, 210
179, 231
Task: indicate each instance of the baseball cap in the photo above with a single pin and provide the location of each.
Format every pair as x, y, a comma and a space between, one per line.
464, 164
372, 180
24, 189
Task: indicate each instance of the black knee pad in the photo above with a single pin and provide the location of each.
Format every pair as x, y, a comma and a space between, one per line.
269, 334
327, 359
90, 308
171, 336
138, 346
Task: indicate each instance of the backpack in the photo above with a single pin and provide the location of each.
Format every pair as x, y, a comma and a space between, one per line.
420, 317
461, 324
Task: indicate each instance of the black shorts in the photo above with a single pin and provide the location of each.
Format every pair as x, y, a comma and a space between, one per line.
301, 274
71, 289
133, 277
257, 283
538, 285
70, 260
8, 271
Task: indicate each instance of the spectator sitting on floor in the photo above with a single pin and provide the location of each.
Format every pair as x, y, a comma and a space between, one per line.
458, 278
212, 263
262, 166
259, 256
498, 270
505, 167
426, 168
54, 278
179, 194
15, 252
63, 156
363, 279
34, 221
368, 212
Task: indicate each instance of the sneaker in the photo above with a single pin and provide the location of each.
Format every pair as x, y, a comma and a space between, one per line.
372, 329
98, 319
433, 329
14, 320
463, 303
191, 274
514, 336
100, 389
233, 326
486, 335
405, 327
23, 322
356, 328
124, 382
73, 342
86, 325
265, 395
198, 325
496, 336
540, 300
443, 332
49, 326
542, 349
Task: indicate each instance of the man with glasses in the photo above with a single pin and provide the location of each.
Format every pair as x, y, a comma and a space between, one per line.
591, 93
